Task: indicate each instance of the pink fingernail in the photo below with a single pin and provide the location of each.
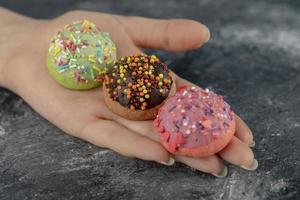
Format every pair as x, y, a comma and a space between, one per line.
170, 162
208, 34
252, 144
222, 174
252, 167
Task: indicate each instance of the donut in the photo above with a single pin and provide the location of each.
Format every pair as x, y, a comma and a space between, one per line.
136, 86
195, 123
78, 55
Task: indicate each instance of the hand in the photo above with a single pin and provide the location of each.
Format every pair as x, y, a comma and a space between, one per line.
83, 114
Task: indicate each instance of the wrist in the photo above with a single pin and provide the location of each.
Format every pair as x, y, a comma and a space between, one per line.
17, 57
3, 77
5, 81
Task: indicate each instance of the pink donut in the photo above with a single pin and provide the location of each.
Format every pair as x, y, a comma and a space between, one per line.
195, 122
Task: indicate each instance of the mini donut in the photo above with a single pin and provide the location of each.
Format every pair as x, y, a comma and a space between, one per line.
195, 123
78, 55
136, 86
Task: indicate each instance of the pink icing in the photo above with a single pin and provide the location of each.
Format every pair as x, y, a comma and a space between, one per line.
193, 117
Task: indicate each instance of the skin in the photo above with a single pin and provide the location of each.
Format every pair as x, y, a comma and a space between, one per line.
83, 114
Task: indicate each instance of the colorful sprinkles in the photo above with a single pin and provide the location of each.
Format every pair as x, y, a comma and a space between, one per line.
81, 51
192, 117
138, 82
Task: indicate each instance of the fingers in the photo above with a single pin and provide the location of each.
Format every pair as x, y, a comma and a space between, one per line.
172, 35
144, 128
9, 16
119, 36
239, 153
105, 22
211, 164
111, 135
243, 132
181, 82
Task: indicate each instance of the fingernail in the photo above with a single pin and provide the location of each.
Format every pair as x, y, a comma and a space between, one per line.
253, 166
252, 144
208, 34
222, 174
170, 162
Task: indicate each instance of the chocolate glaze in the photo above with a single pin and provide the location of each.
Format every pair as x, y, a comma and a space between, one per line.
136, 78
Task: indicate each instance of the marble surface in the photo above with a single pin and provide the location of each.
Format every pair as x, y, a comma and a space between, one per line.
253, 59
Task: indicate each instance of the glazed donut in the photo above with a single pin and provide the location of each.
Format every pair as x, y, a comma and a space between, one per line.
78, 55
195, 122
136, 86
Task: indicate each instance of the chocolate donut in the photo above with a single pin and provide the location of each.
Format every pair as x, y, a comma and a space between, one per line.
195, 122
136, 86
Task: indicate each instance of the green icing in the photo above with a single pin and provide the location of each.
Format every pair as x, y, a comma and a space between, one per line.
78, 55
67, 80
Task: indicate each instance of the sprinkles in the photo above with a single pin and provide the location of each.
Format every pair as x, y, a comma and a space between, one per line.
138, 82
81, 51
194, 119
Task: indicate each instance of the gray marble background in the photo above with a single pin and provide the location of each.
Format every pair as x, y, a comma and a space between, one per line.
253, 59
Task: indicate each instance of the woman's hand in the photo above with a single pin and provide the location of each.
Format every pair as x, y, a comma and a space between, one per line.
83, 114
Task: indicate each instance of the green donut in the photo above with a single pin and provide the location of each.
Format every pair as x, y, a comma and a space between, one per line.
78, 55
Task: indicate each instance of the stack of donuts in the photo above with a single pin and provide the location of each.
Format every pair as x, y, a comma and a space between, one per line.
190, 121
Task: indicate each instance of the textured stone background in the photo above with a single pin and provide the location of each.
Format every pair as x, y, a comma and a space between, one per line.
253, 59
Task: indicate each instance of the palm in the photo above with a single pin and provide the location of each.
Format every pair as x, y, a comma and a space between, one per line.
72, 110
83, 113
